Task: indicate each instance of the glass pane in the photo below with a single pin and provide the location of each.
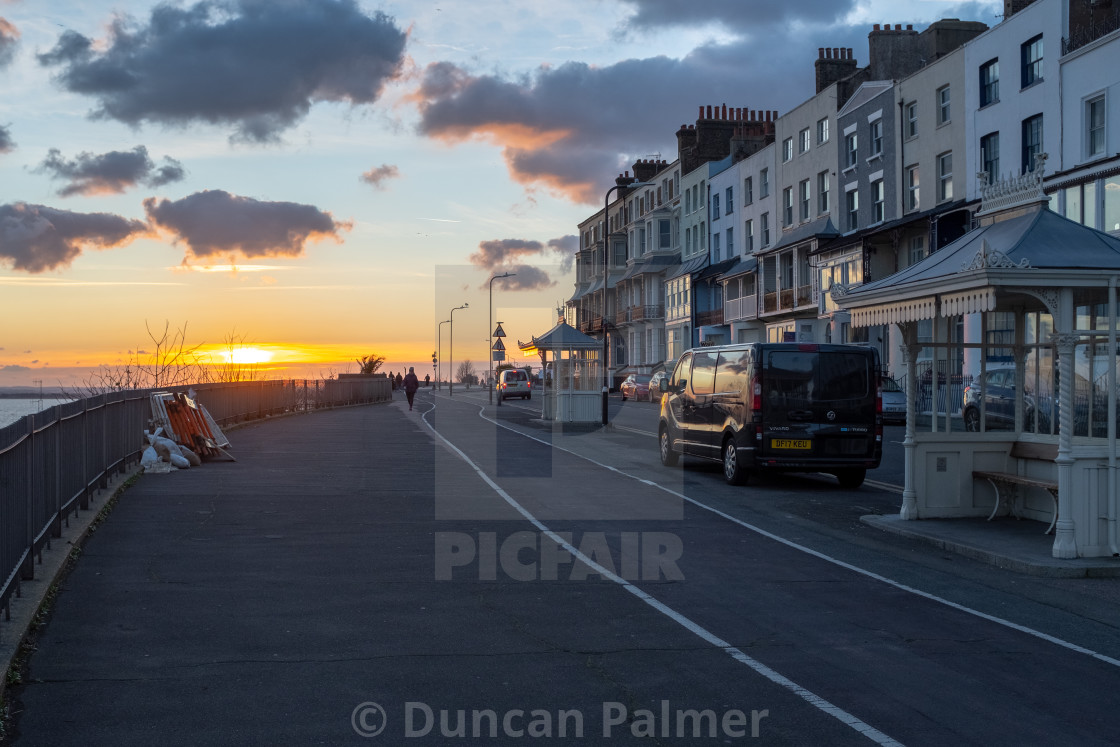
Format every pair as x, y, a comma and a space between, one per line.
1112, 204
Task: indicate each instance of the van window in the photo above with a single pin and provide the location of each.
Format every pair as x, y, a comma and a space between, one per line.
703, 373
680, 373
796, 378
731, 373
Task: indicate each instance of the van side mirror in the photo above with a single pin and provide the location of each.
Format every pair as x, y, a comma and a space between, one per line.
681, 385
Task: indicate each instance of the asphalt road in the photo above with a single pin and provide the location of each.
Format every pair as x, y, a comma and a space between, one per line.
423, 561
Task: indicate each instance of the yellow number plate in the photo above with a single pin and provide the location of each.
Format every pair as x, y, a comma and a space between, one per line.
789, 443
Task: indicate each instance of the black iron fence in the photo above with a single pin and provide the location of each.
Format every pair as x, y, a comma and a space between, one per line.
53, 462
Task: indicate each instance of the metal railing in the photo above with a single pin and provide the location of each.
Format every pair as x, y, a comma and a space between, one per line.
53, 462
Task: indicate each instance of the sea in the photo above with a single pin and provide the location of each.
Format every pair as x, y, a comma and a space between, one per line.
12, 408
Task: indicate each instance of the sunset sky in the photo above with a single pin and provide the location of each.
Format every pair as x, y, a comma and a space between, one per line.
324, 179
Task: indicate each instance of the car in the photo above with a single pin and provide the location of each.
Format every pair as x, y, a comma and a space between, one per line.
513, 382
636, 386
995, 391
658, 384
894, 401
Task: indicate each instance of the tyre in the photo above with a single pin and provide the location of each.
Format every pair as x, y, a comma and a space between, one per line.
733, 470
851, 478
972, 420
668, 457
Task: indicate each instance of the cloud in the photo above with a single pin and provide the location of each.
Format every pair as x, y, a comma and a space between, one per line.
36, 238
7, 145
377, 177
493, 254
735, 14
527, 278
14, 368
255, 65
503, 255
9, 40
214, 222
109, 173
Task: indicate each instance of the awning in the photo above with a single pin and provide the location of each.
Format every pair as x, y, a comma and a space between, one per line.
719, 268
742, 267
688, 267
913, 310
968, 302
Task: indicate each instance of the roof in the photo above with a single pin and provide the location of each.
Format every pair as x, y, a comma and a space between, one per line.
820, 227
717, 269
742, 267
1037, 249
561, 337
689, 267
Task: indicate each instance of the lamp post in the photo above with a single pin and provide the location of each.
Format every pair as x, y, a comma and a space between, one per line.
490, 384
439, 346
620, 184
451, 352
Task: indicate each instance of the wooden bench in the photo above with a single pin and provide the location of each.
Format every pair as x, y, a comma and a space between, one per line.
1010, 482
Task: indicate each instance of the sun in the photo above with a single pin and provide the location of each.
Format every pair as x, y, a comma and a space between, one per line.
247, 356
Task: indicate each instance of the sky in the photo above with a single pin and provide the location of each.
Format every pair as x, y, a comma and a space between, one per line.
305, 182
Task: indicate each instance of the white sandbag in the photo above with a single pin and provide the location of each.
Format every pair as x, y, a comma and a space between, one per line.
180, 461
194, 459
159, 468
149, 457
162, 450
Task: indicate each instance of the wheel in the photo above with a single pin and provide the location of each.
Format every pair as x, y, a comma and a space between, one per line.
624, 398
668, 457
733, 470
851, 478
528, 396
972, 420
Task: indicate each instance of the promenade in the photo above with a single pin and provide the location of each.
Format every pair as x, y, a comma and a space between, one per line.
356, 571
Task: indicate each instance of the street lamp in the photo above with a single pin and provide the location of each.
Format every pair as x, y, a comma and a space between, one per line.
490, 384
439, 346
451, 352
619, 184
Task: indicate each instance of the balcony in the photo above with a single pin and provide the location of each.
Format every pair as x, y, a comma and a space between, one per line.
741, 308
804, 295
622, 316
709, 318
646, 312
770, 302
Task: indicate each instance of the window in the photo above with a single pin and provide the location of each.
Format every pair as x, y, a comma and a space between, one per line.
877, 138
1094, 125
912, 119
804, 141
917, 249
877, 201
989, 82
989, 156
851, 148
822, 193
687, 242
748, 236
945, 176
687, 201
822, 131
1031, 54
764, 183
728, 201
787, 149
748, 191
715, 206
787, 206
715, 246
764, 230
805, 199
912, 201
943, 113
664, 236
853, 209
730, 243
1032, 141
695, 198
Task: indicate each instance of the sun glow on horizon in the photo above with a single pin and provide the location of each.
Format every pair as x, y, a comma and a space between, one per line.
246, 356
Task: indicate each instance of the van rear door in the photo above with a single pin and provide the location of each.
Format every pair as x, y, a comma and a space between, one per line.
818, 402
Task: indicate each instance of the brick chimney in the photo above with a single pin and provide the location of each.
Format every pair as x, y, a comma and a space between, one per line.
832, 65
645, 170
1011, 7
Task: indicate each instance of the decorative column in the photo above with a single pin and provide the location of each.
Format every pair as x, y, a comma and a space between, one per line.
909, 350
1065, 542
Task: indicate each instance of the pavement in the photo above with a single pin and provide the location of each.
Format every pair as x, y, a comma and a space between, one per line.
267, 600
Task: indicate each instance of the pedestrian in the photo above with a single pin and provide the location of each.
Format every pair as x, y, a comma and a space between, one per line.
392, 380
398, 381
411, 384
427, 380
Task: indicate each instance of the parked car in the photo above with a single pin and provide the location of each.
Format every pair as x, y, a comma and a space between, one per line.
790, 407
894, 401
658, 384
514, 382
636, 387
995, 391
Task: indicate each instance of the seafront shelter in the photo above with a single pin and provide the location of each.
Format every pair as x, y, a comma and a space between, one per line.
571, 374
1009, 344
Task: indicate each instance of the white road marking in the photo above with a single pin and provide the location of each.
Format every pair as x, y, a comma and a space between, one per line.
836, 561
809, 697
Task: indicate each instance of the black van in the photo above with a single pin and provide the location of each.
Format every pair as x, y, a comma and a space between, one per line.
776, 406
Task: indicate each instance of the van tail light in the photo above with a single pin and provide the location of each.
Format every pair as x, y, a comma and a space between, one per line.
756, 392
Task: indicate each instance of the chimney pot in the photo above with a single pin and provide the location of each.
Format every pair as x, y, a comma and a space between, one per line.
875, 27
709, 112
701, 114
724, 112
820, 53
898, 27
836, 53
909, 27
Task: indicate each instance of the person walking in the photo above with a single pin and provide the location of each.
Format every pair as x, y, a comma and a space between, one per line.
411, 384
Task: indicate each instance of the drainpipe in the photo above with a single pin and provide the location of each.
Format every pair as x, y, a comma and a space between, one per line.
1112, 539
